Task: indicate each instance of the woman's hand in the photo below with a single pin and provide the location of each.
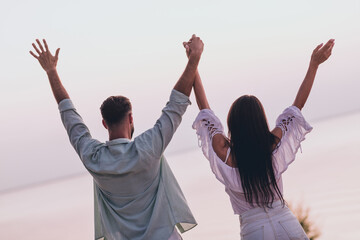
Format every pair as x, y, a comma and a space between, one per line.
187, 48
322, 53
47, 61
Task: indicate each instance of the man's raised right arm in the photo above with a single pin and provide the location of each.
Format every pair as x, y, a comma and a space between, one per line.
154, 141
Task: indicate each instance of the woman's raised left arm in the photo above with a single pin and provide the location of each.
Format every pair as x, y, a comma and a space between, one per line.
320, 54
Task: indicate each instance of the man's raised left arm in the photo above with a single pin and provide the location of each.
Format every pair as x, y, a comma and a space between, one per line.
48, 62
79, 134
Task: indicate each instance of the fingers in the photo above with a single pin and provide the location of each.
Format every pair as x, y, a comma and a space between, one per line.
324, 50
192, 38
41, 47
186, 45
46, 46
329, 50
34, 55
330, 42
318, 47
36, 49
194, 41
328, 45
331, 46
57, 53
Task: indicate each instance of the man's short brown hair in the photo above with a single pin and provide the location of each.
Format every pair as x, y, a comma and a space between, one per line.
114, 109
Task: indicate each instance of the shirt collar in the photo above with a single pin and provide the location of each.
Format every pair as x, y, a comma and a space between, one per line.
117, 141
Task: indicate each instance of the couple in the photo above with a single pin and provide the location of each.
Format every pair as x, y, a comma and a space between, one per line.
136, 193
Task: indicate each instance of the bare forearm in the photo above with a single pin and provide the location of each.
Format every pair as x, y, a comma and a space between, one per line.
306, 86
320, 54
200, 94
186, 81
57, 88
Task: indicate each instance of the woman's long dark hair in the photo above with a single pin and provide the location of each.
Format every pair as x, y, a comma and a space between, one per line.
252, 145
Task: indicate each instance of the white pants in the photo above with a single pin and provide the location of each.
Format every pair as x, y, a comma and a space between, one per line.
277, 223
175, 235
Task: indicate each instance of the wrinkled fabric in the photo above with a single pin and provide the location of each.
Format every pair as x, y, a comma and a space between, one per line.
294, 128
136, 193
277, 223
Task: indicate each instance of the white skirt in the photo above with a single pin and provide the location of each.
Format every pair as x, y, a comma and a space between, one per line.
277, 223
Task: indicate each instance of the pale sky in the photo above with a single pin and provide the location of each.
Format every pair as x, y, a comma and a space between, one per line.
134, 48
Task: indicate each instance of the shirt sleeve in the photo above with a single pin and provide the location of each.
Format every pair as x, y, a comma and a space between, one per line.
152, 143
79, 135
207, 125
294, 128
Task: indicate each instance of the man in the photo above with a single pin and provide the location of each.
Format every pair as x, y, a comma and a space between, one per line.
136, 194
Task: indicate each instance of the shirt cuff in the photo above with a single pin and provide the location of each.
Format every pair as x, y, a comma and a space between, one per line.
179, 97
295, 108
207, 110
65, 105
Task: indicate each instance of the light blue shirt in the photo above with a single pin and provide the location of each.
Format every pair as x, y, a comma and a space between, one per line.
136, 193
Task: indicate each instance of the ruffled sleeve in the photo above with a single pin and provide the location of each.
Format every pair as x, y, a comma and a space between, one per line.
294, 128
207, 125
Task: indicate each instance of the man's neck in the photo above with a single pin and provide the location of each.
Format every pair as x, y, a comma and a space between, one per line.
119, 134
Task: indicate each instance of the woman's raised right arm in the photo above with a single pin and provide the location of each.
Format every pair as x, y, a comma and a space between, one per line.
218, 141
199, 90
319, 55
200, 94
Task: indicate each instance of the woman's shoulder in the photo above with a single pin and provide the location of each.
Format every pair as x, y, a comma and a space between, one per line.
277, 132
221, 146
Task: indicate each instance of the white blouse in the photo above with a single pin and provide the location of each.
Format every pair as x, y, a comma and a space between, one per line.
294, 128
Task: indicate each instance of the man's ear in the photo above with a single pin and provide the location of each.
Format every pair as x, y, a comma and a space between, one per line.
131, 120
104, 124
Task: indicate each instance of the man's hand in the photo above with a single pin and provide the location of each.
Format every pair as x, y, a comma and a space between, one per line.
321, 54
48, 63
46, 59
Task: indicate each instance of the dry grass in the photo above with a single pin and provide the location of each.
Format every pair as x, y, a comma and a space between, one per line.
303, 215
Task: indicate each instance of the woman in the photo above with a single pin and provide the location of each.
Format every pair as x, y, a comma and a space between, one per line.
250, 160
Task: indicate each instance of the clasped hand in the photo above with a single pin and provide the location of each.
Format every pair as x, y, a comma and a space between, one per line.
194, 47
